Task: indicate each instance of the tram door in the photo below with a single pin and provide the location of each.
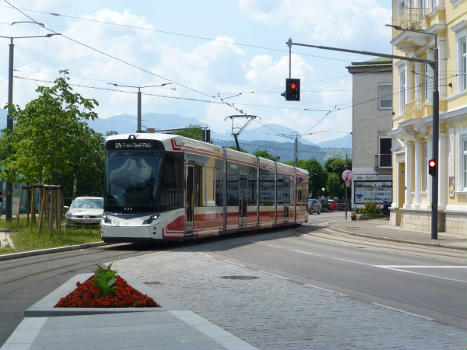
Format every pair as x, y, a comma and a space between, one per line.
243, 201
190, 199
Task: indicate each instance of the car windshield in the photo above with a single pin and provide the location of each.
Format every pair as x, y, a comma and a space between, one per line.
91, 203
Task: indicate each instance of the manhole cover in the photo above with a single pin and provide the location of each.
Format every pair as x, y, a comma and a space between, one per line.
240, 277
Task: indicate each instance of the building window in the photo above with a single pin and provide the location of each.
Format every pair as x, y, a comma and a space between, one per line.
385, 155
461, 64
402, 88
385, 97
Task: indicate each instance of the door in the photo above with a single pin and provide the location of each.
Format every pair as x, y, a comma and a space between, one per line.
189, 200
243, 202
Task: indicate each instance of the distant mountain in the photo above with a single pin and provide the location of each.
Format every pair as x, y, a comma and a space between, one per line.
266, 132
344, 142
127, 123
284, 150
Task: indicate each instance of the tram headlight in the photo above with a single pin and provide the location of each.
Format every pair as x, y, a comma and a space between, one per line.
106, 219
150, 219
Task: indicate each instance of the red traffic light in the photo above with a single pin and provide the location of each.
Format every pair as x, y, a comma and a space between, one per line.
292, 89
432, 167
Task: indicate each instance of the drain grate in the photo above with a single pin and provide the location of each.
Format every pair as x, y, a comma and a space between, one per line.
239, 277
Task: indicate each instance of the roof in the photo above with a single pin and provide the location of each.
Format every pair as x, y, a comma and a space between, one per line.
374, 61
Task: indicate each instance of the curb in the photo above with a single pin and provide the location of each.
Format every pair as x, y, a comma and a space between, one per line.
51, 250
439, 245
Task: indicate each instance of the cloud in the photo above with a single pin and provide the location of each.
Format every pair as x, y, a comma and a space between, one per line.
324, 21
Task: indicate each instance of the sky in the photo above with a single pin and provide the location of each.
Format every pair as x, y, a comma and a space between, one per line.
221, 58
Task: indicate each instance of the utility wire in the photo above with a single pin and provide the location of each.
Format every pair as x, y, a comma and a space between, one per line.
191, 36
231, 105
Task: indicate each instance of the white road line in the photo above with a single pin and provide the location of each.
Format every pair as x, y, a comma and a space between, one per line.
209, 256
233, 263
422, 267
326, 290
307, 253
273, 274
405, 312
421, 274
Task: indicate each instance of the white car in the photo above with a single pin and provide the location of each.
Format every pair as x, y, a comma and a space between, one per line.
85, 211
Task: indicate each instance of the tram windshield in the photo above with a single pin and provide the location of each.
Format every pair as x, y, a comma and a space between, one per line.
132, 180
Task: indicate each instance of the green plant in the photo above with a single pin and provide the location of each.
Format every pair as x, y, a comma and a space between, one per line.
105, 280
371, 208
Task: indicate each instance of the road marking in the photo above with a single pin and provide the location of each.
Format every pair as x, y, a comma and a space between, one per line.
273, 274
233, 263
324, 289
403, 311
419, 273
422, 266
307, 253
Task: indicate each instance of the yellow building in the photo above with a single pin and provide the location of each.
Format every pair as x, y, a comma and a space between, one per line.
412, 114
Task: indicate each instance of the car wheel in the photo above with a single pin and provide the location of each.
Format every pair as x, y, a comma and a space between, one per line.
319, 212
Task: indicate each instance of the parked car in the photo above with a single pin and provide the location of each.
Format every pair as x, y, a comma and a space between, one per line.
85, 211
332, 204
325, 205
314, 206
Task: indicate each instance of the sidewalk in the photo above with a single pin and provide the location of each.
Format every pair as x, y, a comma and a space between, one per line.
382, 229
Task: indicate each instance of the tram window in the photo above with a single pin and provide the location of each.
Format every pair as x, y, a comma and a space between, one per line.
252, 184
219, 178
266, 187
232, 184
171, 188
283, 189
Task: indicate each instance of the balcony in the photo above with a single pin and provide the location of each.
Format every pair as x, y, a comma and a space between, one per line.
383, 161
413, 18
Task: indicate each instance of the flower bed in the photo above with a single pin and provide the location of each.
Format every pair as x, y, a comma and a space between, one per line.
87, 294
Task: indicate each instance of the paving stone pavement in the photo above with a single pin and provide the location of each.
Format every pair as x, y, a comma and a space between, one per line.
274, 313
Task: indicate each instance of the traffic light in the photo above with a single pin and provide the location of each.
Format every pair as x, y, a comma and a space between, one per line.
292, 89
432, 167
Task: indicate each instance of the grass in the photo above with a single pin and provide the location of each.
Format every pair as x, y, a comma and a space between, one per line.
26, 240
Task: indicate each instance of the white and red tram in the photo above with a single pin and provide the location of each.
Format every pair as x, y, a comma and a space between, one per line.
168, 187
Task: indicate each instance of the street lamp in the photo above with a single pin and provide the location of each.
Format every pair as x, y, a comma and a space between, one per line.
9, 120
138, 130
435, 149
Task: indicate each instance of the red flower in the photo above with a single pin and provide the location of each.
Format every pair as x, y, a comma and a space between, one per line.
87, 295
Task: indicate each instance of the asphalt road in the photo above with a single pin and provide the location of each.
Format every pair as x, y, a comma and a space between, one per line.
425, 281
430, 282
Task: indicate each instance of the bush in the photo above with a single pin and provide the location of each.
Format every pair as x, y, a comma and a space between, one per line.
371, 208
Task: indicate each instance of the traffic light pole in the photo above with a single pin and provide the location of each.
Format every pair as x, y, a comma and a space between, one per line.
434, 65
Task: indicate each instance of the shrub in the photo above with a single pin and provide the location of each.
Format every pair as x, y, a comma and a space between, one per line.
371, 208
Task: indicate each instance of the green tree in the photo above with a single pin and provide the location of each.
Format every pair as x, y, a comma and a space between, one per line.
335, 186
265, 154
193, 132
51, 138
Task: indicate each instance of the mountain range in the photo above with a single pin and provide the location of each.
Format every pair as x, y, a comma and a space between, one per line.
269, 137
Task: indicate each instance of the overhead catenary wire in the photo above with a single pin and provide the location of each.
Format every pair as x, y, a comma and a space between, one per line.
231, 105
198, 37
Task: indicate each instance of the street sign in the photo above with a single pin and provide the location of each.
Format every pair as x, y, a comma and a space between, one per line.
347, 175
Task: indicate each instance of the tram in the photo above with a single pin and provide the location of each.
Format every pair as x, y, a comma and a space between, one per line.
169, 187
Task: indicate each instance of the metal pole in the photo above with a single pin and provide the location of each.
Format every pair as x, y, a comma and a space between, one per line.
139, 111
9, 125
289, 43
345, 189
296, 151
434, 186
